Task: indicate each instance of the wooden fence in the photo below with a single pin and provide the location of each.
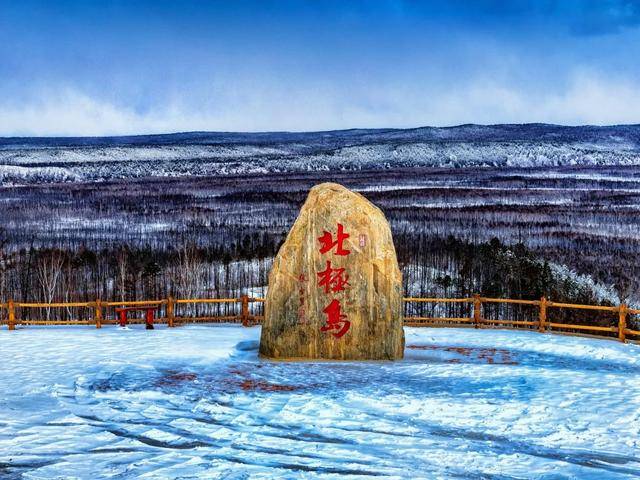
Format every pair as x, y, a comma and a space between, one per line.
243, 312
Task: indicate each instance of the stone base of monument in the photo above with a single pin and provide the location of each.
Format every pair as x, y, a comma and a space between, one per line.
335, 289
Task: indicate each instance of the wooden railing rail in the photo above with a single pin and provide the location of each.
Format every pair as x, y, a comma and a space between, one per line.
541, 323
437, 300
244, 315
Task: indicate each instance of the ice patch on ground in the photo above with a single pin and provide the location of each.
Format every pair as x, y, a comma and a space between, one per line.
197, 402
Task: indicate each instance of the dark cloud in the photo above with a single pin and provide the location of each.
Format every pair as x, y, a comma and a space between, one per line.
598, 17
583, 17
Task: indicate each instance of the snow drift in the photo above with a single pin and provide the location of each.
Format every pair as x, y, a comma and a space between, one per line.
197, 402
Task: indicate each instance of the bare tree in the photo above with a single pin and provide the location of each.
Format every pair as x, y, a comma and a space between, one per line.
4, 266
190, 273
122, 273
49, 270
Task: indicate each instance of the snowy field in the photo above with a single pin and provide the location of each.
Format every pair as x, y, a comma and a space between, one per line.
197, 402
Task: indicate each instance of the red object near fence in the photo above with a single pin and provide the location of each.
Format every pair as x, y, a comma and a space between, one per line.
148, 316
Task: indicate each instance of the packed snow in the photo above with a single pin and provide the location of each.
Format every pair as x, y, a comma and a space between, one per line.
198, 402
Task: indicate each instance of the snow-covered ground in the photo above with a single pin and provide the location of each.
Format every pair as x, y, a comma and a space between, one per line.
197, 402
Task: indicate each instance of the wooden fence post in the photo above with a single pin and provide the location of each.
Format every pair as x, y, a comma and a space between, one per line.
12, 315
622, 322
477, 314
244, 312
542, 319
171, 311
97, 314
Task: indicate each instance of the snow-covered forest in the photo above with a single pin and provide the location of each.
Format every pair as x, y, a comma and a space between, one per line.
536, 210
38, 160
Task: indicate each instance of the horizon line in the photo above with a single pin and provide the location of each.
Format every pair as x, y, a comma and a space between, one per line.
294, 132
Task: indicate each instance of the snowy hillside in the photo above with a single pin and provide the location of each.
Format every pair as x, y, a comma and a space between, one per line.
35, 160
197, 402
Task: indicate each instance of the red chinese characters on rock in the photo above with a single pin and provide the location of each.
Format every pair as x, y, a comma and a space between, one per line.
328, 243
335, 319
334, 280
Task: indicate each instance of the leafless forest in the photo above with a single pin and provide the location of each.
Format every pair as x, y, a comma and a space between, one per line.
569, 233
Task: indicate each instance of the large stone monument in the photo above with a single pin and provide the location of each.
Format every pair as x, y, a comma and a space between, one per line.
335, 289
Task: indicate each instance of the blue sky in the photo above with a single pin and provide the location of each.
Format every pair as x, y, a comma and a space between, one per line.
120, 67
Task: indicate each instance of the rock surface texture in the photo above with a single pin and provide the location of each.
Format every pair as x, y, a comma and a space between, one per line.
335, 289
